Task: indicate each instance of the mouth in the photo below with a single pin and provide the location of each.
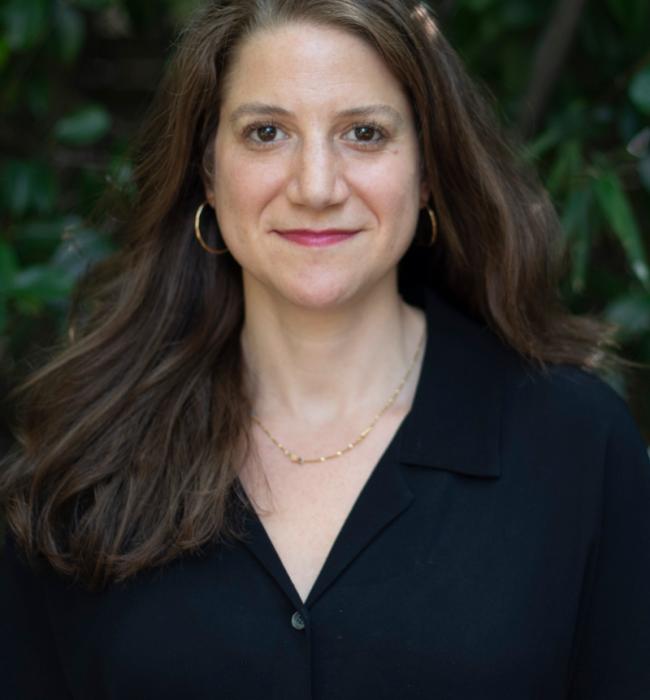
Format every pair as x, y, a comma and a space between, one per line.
316, 238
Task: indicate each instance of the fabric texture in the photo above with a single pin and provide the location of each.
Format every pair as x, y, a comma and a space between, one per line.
499, 549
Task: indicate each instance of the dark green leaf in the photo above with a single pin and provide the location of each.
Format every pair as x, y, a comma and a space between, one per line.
518, 15
644, 172
24, 22
120, 174
4, 52
616, 207
38, 92
27, 185
576, 226
40, 284
633, 15
543, 143
70, 32
84, 127
567, 166
639, 90
632, 313
15, 186
35, 241
8, 266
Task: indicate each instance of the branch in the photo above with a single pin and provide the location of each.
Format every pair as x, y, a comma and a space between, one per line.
549, 59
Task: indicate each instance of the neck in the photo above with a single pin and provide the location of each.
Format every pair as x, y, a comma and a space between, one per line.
317, 368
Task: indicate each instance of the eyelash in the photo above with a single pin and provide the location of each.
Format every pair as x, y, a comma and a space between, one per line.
381, 132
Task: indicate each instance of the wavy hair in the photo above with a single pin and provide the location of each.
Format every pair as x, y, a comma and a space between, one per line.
132, 436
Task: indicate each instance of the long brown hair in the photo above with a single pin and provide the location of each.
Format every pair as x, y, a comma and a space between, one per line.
131, 438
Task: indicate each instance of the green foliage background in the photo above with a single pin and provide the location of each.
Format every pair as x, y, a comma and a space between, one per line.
76, 77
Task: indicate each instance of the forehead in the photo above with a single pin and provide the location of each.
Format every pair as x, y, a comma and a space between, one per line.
306, 65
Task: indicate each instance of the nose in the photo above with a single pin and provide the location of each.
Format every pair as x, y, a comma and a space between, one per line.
317, 178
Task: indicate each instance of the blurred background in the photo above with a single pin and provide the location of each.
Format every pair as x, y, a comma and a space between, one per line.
570, 78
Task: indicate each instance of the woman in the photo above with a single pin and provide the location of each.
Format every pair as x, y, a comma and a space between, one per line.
327, 432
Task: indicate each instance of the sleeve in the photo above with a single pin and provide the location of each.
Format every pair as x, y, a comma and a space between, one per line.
612, 660
29, 668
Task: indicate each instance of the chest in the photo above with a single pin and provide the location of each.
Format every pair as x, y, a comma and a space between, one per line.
470, 589
303, 508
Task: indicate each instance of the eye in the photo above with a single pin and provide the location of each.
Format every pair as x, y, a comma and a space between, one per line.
262, 133
367, 134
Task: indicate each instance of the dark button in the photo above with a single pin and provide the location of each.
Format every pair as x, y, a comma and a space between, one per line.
297, 621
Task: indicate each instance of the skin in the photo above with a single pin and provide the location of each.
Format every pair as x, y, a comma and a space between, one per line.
327, 336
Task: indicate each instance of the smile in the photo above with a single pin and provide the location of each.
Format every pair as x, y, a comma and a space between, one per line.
316, 239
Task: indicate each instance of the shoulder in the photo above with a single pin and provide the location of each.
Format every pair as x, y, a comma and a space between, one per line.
564, 392
570, 417
491, 383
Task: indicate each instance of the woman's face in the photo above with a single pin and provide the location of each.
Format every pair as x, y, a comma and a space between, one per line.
315, 133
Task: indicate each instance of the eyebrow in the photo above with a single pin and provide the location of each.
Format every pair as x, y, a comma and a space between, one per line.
261, 108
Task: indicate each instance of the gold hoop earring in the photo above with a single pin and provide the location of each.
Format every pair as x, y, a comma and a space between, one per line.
434, 225
199, 237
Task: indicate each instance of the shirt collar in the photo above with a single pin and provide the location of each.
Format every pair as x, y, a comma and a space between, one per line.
455, 420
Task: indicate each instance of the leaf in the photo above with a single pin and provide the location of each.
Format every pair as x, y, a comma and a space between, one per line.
38, 92
70, 30
644, 172
4, 52
616, 207
80, 249
24, 22
631, 14
631, 313
562, 126
27, 185
35, 241
639, 90
576, 226
120, 174
567, 165
544, 142
519, 15
15, 186
86, 126
639, 145
39, 285
8, 265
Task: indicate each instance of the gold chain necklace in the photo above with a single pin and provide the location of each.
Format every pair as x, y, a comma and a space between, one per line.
297, 459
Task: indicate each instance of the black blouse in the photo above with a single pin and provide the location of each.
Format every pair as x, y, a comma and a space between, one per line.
499, 550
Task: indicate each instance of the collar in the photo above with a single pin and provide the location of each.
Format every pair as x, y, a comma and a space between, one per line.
455, 420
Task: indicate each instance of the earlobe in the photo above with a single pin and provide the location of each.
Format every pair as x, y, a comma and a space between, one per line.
209, 195
207, 180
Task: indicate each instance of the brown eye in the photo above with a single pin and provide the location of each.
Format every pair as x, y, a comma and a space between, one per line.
364, 133
266, 133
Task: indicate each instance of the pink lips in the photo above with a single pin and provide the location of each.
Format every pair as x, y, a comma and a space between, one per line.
315, 239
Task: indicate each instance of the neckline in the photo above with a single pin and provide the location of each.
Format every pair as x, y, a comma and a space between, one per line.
383, 495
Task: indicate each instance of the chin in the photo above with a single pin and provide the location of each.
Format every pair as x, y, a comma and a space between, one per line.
322, 294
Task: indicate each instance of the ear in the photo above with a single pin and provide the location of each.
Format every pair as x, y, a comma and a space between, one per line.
207, 173
209, 194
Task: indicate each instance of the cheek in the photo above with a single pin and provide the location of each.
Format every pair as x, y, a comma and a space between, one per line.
244, 188
391, 189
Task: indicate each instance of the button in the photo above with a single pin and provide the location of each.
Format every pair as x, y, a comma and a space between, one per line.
297, 621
